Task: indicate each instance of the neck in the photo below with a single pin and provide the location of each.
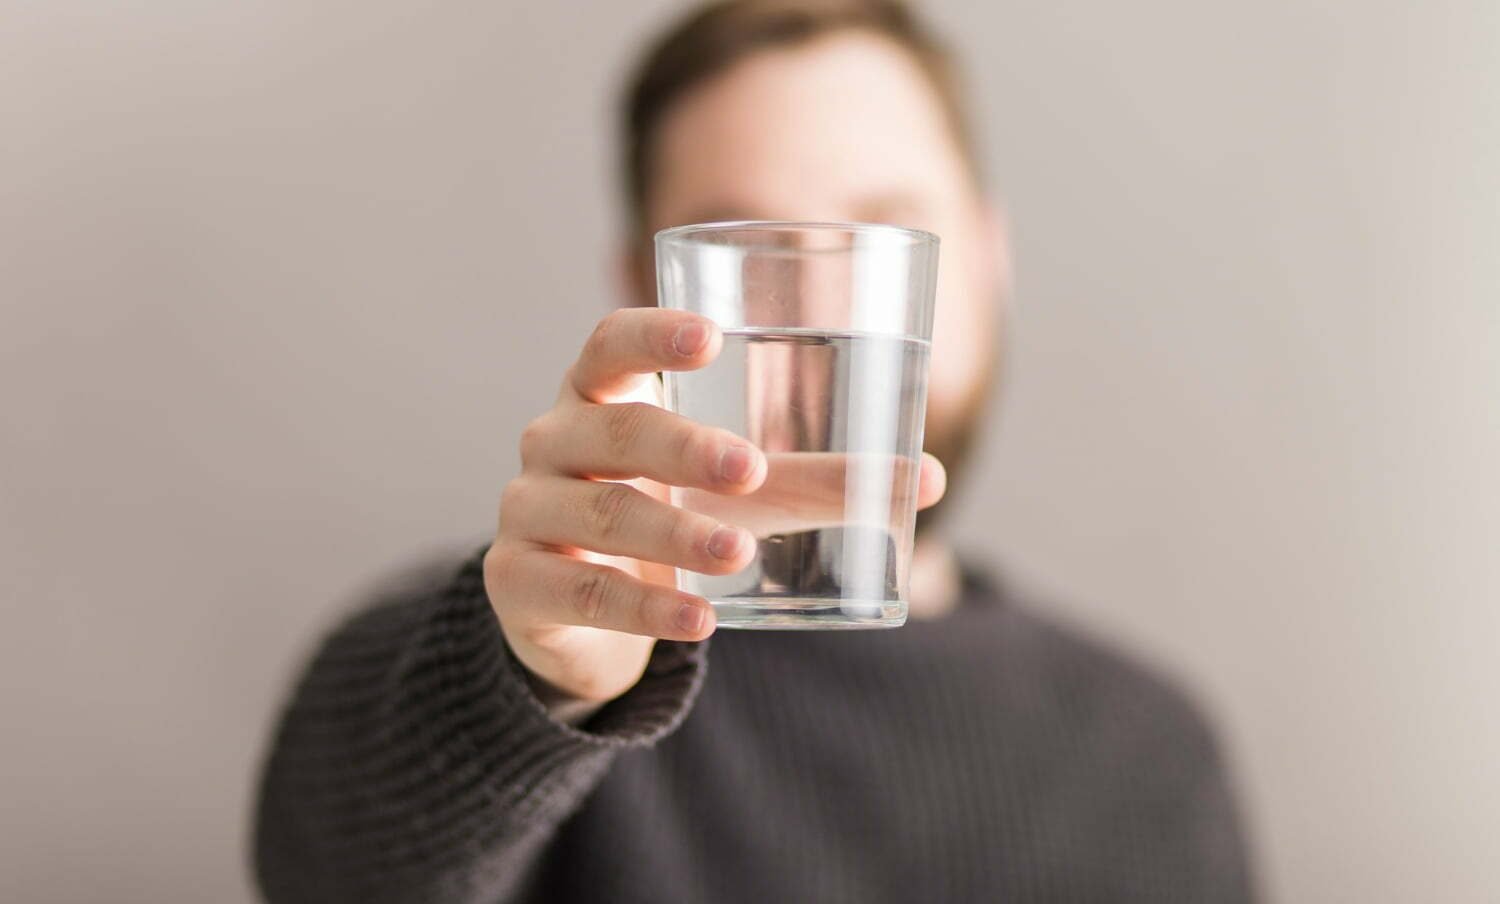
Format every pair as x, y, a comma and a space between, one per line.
935, 579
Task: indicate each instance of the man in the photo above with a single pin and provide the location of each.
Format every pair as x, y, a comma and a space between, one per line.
541, 723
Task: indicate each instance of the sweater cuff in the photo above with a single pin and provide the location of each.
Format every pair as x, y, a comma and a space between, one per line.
647, 712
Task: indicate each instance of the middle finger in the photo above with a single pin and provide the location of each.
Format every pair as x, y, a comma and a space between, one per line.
637, 439
618, 520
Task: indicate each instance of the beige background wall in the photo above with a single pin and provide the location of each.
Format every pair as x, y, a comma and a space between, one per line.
279, 283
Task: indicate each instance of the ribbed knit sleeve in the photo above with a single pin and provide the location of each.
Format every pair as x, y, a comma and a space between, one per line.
414, 762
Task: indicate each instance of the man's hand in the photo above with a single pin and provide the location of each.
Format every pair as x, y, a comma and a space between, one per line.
581, 571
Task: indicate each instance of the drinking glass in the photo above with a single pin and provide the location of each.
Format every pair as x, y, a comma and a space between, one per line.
827, 330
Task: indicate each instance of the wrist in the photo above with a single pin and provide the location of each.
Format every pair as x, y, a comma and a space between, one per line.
561, 705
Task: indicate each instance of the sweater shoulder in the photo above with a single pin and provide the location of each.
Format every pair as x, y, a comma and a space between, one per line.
414, 580
1119, 698
1136, 742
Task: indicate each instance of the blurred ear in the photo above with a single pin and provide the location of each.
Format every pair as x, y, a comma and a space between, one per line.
635, 274
999, 276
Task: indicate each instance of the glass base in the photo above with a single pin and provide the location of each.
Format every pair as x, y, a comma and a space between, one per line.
807, 615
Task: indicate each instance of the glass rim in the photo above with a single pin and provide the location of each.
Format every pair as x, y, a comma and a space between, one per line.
692, 233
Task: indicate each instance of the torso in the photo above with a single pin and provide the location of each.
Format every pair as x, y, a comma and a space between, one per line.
987, 755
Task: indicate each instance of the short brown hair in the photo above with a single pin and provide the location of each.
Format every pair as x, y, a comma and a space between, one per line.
718, 35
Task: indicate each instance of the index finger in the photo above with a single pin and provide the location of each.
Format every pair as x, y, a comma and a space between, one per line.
632, 342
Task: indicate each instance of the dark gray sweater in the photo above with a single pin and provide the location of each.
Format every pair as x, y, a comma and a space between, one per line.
986, 756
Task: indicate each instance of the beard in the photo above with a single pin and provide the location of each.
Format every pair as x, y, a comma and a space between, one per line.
952, 440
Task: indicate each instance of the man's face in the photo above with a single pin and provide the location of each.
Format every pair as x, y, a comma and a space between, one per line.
845, 128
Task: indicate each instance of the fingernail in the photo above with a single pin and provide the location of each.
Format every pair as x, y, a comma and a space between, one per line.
690, 618
724, 542
690, 338
737, 463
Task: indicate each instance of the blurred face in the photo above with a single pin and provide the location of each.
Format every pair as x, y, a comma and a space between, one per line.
845, 128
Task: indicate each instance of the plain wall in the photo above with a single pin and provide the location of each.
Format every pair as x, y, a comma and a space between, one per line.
280, 283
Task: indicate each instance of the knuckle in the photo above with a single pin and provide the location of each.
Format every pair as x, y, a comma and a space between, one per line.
602, 337
590, 593
691, 539
499, 563
700, 444
533, 441
513, 500
624, 422
680, 532
658, 609
610, 509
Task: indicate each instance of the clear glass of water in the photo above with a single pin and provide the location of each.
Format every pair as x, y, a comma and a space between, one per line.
827, 329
